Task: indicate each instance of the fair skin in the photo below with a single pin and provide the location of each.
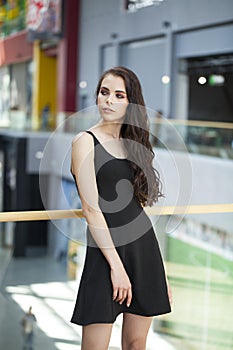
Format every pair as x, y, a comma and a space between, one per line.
112, 102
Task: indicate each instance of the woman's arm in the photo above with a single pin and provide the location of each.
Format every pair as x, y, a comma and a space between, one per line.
83, 169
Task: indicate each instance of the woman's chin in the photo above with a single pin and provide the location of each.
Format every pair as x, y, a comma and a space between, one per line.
110, 119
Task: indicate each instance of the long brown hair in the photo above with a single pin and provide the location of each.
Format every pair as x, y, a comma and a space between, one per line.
146, 179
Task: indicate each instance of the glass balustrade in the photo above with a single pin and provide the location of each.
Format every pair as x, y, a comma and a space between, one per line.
199, 264
207, 138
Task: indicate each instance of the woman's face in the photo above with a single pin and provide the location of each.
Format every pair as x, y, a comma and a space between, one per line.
112, 99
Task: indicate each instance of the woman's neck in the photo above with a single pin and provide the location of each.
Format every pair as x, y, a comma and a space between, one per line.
112, 129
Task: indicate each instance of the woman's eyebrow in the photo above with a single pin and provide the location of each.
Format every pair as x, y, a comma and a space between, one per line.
122, 91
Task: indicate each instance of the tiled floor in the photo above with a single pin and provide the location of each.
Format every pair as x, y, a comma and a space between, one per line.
42, 283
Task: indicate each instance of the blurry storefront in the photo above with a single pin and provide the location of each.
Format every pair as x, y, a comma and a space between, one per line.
36, 84
15, 66
37, 90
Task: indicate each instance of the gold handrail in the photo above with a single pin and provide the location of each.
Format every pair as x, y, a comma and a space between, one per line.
198, 123
77, 213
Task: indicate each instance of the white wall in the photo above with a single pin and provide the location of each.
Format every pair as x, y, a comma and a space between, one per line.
100, 19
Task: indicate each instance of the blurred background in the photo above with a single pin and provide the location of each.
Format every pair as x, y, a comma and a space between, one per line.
52, 54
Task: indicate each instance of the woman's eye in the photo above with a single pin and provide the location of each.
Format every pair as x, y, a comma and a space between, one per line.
103, 92
119, 96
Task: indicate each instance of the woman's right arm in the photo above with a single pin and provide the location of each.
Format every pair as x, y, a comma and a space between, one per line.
82, 167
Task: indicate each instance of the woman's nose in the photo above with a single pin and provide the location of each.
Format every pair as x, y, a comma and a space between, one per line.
110, 98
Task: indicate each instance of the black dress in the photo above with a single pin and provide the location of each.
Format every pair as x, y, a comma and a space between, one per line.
136, 244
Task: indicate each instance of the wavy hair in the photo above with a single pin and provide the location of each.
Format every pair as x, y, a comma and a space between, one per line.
135, 127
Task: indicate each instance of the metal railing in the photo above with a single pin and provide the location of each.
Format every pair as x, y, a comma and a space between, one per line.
156, 210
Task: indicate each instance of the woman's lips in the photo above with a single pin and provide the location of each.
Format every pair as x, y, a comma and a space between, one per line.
108, 110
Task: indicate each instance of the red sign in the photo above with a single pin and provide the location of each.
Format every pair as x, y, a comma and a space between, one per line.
36, 8
44, 15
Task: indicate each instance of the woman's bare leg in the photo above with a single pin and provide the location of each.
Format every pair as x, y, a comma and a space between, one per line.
134, 331
96, 336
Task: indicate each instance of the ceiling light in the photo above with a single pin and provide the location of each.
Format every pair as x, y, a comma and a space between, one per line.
165, 79
83, 84
202, 80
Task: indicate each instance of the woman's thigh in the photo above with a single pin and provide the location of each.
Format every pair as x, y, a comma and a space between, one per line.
96, 336
134, 331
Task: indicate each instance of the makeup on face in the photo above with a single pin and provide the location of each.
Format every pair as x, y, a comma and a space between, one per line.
112, 98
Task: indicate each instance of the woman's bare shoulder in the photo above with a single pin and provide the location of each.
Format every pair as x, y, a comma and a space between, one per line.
82, 144
82, 138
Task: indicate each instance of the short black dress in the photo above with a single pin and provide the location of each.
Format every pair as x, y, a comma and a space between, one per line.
136, 244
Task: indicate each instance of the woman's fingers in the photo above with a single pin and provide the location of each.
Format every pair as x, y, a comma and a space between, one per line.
120, 295
115, 293
129, 297
169, 292
122, 289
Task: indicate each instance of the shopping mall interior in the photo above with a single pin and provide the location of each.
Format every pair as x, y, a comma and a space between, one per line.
52, 54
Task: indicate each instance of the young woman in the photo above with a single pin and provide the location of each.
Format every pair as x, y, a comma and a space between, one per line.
112, 167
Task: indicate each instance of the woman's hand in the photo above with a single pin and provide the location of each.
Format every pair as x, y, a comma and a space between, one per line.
169, 292
122, 289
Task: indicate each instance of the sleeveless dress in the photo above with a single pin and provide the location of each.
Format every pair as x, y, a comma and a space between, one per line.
135, 241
